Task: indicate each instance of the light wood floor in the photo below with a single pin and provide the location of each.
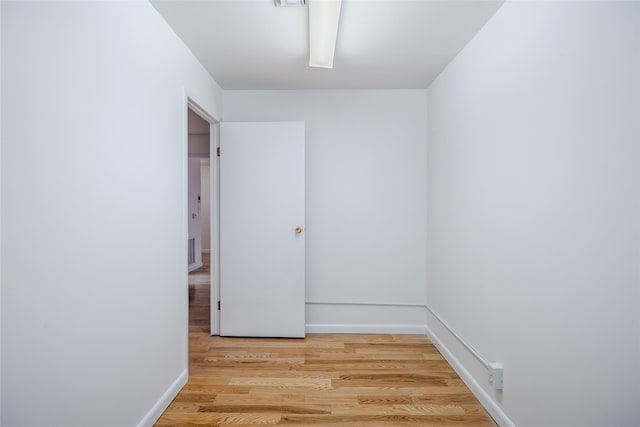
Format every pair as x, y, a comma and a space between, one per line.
199, 298
324, 379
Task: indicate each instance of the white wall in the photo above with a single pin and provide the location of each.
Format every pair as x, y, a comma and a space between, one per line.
93, 233
365, 189
205, 204
199, 145
1, 275
194, 204
533, 210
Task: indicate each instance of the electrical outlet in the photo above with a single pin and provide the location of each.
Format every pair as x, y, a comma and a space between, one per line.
495, 375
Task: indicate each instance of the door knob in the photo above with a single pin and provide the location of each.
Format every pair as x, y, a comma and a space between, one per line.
298, 230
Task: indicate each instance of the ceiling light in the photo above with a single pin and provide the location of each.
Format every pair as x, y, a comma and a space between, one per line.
289, 3
324, 16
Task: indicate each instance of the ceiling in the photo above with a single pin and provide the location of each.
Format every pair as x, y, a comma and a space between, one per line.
382, 44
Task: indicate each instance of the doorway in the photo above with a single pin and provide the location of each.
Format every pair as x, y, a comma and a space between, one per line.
202, 207
264, 162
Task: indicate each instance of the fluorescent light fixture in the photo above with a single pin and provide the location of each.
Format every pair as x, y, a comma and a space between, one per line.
289, 3
324, 16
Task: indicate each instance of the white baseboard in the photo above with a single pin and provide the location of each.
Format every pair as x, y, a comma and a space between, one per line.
154, 413
364, 329
195, 266
485, 399
364, 318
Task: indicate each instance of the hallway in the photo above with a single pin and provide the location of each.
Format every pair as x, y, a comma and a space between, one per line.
199, 298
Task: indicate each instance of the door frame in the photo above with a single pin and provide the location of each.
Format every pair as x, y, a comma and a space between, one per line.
214, 197
214, 131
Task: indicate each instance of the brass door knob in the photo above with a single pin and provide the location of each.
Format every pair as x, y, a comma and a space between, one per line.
298, 230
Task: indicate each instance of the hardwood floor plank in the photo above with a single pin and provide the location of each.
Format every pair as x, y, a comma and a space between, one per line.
423, 420
276, 409
274, 398
281, 382
207, 418
214, 388
399, 409
184, 396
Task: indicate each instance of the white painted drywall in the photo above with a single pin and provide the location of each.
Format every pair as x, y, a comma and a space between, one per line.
1, 275
533, 209
194, 204
199, 145
365, 186
93, 211
205, 204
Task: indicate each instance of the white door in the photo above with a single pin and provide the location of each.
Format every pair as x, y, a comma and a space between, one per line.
262, 236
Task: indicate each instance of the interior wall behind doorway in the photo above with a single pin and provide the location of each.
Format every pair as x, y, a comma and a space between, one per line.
194, 212
199, 227
205, 204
